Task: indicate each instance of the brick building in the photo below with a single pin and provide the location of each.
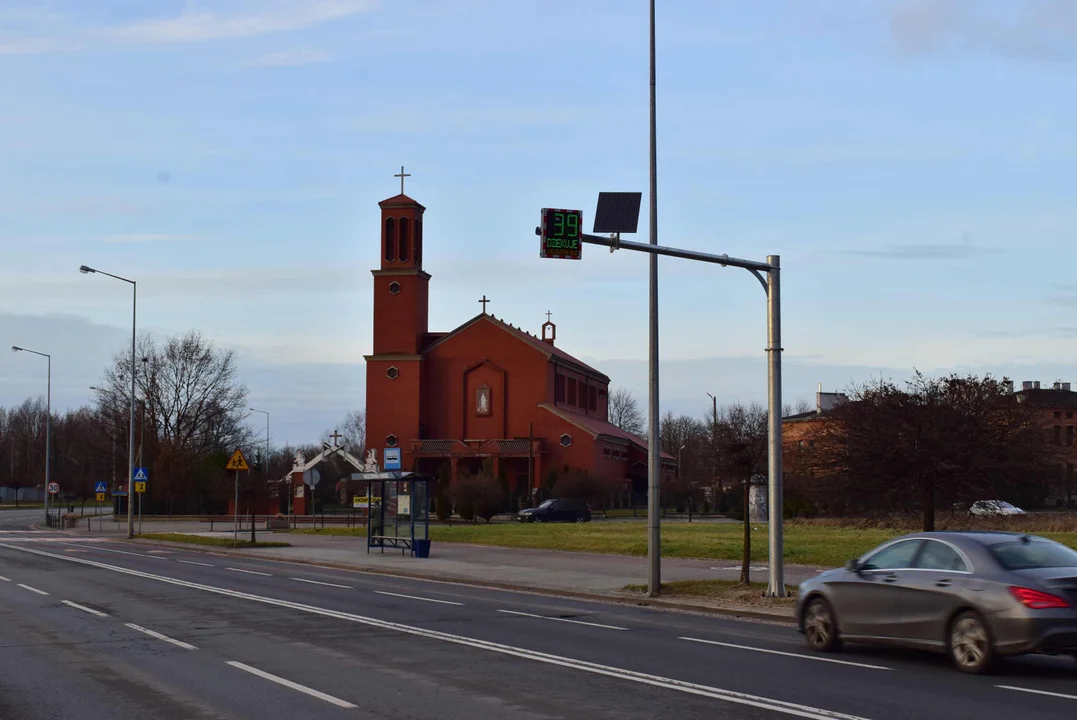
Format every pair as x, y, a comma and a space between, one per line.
486, 392
1056, 406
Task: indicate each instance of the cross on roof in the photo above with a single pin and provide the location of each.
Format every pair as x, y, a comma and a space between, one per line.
484, 301
548, 314
336, 438
402, 175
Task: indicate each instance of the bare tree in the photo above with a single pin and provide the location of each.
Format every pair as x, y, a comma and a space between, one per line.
624, 411
354, 431
742, 444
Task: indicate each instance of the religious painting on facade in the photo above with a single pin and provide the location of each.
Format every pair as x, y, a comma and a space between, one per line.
483, 406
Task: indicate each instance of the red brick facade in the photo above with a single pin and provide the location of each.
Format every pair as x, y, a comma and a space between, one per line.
454, 400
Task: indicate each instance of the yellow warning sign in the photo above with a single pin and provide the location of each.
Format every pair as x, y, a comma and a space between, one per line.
140, 487
237, 461
100, 497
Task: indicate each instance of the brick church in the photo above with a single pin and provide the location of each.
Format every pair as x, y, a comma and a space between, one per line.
452, 401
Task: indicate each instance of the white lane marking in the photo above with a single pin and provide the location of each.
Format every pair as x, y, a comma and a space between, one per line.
159, 636
786, 654
192, 562
1038, 692
574, 622
289, 684
730, 696
124, 552
415, 597
249, 572
27, 587
4, 578
83, 608
315, 582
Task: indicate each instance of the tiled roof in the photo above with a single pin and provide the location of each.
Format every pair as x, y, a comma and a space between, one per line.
535, 342
439, 447
512, 447
598, 427
400, 199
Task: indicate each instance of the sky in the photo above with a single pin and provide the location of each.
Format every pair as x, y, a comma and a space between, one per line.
910, 161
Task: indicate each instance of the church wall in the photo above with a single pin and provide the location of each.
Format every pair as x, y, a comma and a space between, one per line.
392, 404
400, 318
515, 373
571, 389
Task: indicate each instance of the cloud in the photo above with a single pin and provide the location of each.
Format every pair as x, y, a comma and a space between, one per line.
49, 33
925, 251
291, 58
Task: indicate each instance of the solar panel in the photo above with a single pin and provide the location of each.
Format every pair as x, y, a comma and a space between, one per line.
617, 212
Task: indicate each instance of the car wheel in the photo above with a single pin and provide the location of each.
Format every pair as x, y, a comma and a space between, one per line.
970, 643
820, 626
581, 519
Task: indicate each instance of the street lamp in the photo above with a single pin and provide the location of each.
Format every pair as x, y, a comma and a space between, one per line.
48, 421
263, 412
86, 270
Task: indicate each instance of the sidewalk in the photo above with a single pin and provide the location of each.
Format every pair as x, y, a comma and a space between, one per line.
583, 575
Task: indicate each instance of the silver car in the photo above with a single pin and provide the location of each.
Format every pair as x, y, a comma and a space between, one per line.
977, 596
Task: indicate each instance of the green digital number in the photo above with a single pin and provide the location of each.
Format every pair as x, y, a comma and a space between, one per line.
559, 224
573, 225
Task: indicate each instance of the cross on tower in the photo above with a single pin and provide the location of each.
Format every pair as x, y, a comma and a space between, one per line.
402, 175
336, 438
548, 315
484, 301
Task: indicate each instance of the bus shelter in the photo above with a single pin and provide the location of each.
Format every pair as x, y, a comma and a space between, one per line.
398, 511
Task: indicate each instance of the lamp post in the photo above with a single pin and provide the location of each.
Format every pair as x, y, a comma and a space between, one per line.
263, 412
654, 451
48, 422
85, 270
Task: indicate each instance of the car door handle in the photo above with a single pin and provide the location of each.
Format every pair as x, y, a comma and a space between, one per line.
889, 578
943, 583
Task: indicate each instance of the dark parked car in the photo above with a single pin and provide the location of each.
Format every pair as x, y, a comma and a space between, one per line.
557, 511
976, 596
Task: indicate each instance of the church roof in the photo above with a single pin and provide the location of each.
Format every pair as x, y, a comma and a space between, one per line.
400, 199
537, 343
597, 426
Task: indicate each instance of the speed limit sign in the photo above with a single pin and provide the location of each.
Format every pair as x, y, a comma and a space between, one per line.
54, 488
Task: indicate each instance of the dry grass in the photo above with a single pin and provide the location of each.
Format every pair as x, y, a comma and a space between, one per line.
723, 593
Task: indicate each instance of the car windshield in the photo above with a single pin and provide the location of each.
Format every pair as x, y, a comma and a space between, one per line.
1006, 505
546, 504
1027, 555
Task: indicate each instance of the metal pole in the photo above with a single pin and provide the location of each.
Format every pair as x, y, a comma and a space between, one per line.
131, 445
776, 586
654, 451
48, 438
140, 513
235, 525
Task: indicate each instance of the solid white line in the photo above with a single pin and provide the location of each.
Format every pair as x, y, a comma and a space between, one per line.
159, 636
1038, 692
249, 572
786, 654
4, 578
413, 597
315, 582
192, 562
27, 587
124, 552
729, 696
289, 684
574, 622
83, 608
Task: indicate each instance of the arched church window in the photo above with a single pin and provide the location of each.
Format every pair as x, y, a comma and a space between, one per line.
404, 249
390, 240
418, 241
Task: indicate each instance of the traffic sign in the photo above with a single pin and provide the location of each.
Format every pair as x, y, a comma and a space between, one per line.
312, 477
54, 488
140, 487
100, 497
392, 458
142, 474
560, 234
100, 487
237, 461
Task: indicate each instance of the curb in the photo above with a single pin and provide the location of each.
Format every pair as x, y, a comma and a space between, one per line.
618, 599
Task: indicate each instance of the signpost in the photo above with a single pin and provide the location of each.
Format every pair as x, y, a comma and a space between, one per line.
54, 488
392, 458
312, 477
560, 234
236, 463
142, 475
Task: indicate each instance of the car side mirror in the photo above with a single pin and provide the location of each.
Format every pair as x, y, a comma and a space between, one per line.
853, 566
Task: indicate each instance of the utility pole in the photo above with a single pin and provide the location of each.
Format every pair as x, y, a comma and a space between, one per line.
714, 450
654, 450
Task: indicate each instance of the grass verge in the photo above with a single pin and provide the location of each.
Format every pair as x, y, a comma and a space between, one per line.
210, 541
724, 592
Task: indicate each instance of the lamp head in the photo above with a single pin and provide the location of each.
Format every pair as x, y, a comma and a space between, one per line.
86, 269
15, 348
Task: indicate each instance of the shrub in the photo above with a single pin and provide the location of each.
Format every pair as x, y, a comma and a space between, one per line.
478, 496
443, 502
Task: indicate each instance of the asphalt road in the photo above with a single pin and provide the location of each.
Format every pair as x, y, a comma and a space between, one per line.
93, 628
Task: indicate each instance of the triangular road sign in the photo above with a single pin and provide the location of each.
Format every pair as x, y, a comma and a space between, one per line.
101, 487
140, 475
237, 461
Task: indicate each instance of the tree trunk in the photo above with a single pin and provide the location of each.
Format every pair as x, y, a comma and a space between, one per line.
745, 565
928, 499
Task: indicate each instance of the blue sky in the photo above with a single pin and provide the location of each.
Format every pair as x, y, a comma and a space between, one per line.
910, 161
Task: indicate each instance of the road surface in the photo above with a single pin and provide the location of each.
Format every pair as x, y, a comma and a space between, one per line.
100, 629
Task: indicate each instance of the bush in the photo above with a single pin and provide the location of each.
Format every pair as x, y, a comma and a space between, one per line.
478, 496
443, 502
578, 485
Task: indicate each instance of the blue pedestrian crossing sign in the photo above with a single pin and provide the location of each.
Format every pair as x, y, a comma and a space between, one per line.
100, 487
141, 475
